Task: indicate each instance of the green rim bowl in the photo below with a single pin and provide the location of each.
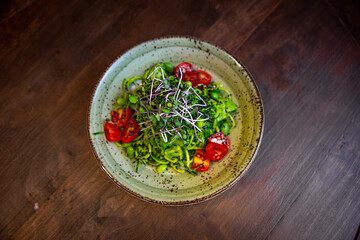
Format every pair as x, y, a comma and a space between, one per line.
171, 188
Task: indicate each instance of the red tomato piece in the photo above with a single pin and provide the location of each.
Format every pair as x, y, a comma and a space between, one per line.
197, 77
124, 116
201, 161
219, 138
216, 151
131, 131
114, 116
191, 77
203, 77
112, 132
184, 68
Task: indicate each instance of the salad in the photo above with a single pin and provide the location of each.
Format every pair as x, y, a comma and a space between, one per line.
172, 117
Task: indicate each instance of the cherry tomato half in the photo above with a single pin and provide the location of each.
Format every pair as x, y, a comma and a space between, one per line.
123, 117
216, 151
184, 68
219, 138
112, 132
197, 77
203, 77
201, 161
114, 116
191, 77
131, 131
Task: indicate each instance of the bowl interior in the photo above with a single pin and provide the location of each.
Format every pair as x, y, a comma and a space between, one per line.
170, 187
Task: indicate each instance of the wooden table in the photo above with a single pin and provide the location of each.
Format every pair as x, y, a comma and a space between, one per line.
305, 58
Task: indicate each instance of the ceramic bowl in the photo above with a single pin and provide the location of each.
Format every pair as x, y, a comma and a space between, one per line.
171, 188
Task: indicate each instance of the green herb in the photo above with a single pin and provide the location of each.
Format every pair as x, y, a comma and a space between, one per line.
133, 99
96, 133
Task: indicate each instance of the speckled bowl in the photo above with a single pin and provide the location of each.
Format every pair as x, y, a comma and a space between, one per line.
171, 188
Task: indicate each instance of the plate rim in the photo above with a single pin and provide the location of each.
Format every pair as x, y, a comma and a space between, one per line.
196, 200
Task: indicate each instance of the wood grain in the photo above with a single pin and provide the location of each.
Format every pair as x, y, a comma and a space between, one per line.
305, 58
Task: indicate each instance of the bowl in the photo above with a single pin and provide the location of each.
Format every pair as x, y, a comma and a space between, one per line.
169, 187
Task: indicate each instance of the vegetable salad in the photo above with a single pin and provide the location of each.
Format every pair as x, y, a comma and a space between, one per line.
173, 117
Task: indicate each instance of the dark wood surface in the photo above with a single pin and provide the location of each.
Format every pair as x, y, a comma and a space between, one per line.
305, 180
